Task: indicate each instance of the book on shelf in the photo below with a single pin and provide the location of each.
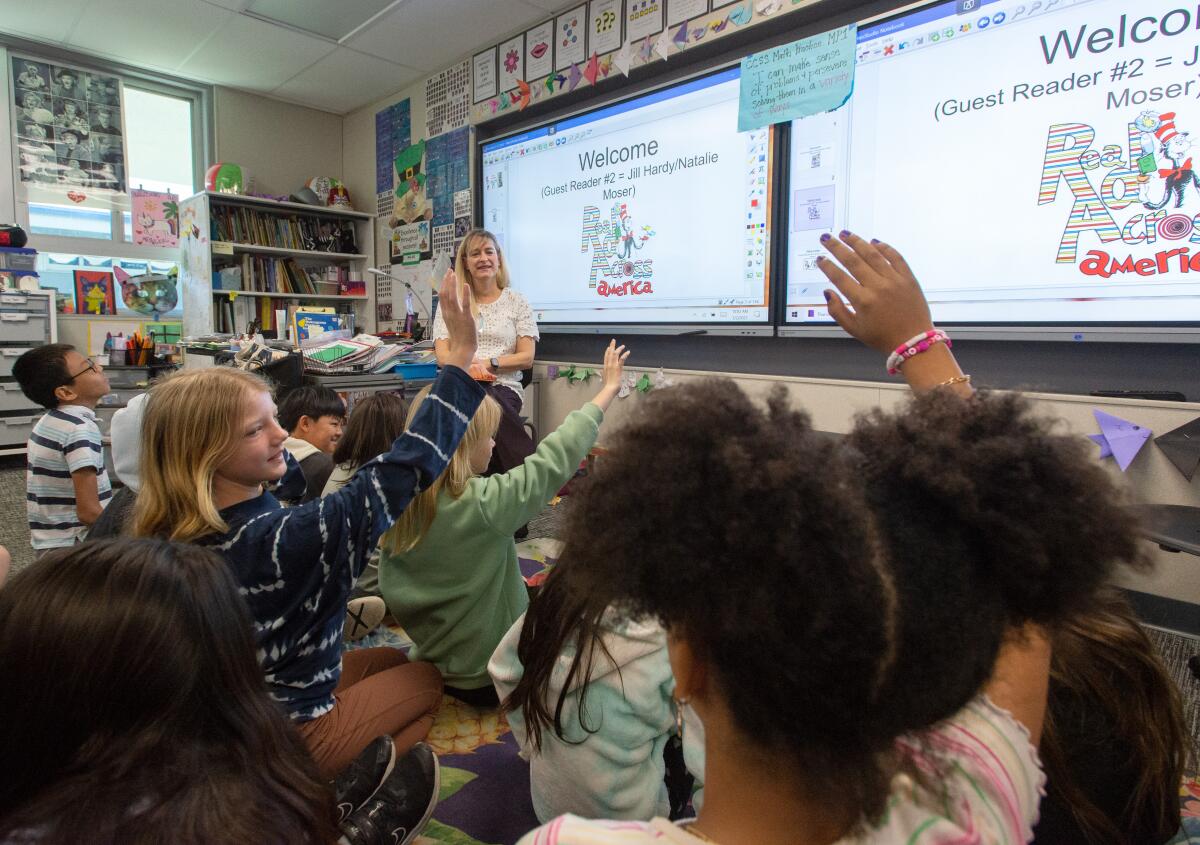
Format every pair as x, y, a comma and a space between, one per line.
282, 231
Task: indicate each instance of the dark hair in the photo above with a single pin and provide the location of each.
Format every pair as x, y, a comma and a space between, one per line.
1113, 706
142, 714
312, 402
990, 518
375, 422
558, 616
41, 371
741, 530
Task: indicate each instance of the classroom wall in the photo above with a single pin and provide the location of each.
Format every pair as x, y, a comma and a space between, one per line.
281, 144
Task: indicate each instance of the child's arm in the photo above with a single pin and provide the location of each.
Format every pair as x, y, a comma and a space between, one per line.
87, 495
510, 500
886, 308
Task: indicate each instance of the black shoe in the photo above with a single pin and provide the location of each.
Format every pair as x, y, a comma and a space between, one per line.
361, 779
402, 806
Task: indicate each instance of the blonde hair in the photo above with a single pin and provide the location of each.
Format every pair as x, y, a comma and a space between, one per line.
460, 261
192, 424
415, 520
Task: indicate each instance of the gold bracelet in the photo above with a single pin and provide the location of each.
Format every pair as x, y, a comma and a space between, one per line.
950, 382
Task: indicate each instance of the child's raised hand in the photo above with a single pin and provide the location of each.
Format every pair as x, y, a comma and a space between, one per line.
888, 305
614, 369
455, 302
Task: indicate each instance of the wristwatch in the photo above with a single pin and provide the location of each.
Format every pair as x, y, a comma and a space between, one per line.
495, 362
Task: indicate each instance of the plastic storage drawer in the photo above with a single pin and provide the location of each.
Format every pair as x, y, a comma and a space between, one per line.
15, 430
13, 258
17, 327
13, 400
21, 301
8, 357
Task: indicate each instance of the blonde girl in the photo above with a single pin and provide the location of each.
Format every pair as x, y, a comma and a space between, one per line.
448, 569
211, 442
508, 335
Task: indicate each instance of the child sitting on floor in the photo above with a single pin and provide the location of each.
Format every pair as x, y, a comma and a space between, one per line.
313, 418
210, 443
784, 569
449, 569
66, 481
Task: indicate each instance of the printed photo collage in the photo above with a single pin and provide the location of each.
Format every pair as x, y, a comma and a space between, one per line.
68, 126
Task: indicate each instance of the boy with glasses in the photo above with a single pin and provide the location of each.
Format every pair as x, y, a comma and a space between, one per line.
65, 477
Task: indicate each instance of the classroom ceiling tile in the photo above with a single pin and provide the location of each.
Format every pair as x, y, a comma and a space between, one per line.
253, 55
345, 80
430, 34
156, 35
331, 20
50, 20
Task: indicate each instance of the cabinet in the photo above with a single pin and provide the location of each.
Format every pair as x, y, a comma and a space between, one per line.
287, 254
26, 320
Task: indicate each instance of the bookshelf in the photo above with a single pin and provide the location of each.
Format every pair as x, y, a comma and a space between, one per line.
274, 255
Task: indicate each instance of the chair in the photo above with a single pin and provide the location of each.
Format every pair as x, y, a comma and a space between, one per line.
530, 428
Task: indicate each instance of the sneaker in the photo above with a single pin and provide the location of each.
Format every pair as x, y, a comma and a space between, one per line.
402, 806
361, 779
362, 617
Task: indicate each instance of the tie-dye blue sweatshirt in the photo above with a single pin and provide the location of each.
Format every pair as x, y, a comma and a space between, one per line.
296, 566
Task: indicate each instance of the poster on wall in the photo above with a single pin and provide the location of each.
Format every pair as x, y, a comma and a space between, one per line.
411, 201
604, 25
411, 243
447, 163
539, 51
483, 75
570, 38
155, 218
95, 292
643, 18
447, 96
68, 127
679, 11
512, 63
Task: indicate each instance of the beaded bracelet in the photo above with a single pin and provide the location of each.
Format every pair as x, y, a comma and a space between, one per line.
915, 346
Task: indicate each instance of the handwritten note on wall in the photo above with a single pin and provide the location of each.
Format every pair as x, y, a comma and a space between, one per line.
806, 77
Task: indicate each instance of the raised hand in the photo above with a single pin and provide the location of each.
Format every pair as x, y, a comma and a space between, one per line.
455, 302
614, 370
886, 305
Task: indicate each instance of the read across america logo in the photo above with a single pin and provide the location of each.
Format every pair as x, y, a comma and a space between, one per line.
1149, 173
616, 241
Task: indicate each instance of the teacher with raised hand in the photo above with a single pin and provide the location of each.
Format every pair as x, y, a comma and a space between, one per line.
507, 334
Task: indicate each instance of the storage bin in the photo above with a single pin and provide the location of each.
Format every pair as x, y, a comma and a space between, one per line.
13, 400
23, 327
8, 357
12, 258
15, 430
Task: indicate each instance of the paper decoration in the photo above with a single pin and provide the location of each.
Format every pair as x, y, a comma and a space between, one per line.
766, 8
573, 77
95, 292
447, 96
393, 132
661, 379
796, 80
570, 38
680, 11
483, 75
604, 25
742, 15
1118, 438
592, 71
573, 373
539, 51
681, 36
523, 93
643, 18
622, 58
628, 383
663, 45
643, 384
511, 57
155, 217
1182, 447
646, 50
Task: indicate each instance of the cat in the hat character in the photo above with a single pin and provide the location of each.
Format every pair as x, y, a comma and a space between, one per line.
1173, 146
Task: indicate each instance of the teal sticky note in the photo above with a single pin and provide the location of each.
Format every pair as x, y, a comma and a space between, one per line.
796, 80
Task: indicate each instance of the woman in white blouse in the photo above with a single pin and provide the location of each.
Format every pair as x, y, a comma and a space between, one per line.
507, 333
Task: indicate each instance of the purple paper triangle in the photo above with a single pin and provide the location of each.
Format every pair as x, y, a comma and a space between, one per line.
1105, 451
1124, 438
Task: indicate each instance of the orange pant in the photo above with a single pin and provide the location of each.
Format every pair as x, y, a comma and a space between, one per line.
380, 692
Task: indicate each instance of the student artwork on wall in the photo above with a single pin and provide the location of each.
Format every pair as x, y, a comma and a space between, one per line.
155, 218
68, 127
447, 99
95, 292
512, 63
539, 51
570, 38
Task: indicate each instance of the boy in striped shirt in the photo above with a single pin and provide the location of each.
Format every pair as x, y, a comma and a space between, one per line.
66, 483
